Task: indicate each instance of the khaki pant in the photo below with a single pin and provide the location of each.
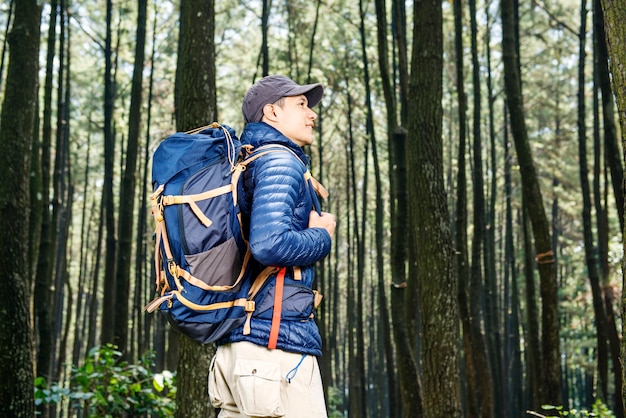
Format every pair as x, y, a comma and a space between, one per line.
248, 380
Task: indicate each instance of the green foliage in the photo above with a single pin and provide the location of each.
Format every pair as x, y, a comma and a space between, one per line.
599, 410
334, 403
105, 386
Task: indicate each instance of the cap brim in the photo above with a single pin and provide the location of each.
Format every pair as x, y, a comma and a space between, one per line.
313, 93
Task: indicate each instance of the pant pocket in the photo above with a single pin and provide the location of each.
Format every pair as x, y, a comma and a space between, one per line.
214, 381
258, 384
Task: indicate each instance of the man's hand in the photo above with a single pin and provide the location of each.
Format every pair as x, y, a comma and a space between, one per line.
326, 221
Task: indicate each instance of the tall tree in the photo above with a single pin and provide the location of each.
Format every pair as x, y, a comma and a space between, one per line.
470, 394
614, 18
129, 179
16, 136
61, 206
108, 205
431, 242
4, 43
43, 272
265, 56
590, 252
392, 126
551, 364
196, 105
484, 369
406, 355
612, 154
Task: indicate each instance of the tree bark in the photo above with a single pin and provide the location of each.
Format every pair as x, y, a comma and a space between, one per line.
43, 276
196, 105
484, 368
392, 125
471, 393
431, 241
590, 253
10, 13
612, 154
108, 300
551, 358
127, 193
16, 136
614, 18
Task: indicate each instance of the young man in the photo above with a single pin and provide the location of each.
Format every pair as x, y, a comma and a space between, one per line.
268, 367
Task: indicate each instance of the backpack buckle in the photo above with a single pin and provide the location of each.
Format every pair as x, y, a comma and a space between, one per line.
249, 306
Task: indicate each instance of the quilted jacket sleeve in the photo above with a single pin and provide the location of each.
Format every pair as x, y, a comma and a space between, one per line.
281, 203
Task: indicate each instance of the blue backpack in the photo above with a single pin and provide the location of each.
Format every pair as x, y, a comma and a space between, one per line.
200, 253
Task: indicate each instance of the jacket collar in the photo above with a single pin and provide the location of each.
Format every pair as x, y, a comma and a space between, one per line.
260, 133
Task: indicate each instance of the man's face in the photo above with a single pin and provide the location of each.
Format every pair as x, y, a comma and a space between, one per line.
294, 119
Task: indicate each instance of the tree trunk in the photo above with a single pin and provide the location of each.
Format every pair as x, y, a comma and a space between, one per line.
590, 252
612, 153
398, 8
265, 16
352, 234
82, 295
143, 289
551, 358
127, 193
16, 135
196, 105
491, 283
392, 125
10, 13
429, 220
108, 300
409, 390
60, 201
484, 369
471, 393
614, 18
43, 276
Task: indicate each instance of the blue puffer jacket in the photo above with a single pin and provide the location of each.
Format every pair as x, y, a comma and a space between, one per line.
275, 202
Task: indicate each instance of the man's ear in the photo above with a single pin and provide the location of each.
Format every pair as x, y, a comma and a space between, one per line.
269, 113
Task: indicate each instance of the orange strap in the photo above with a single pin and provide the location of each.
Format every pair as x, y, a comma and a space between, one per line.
278, 307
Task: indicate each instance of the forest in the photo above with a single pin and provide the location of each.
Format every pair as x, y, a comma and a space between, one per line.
473, 151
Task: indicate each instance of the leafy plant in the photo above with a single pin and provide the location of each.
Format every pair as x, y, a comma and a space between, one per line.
599, 410
105, 386
334, 403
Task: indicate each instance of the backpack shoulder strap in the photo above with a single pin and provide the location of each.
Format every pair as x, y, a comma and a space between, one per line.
308, 177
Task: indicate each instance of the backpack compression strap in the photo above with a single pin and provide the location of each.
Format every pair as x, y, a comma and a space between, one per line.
278, 308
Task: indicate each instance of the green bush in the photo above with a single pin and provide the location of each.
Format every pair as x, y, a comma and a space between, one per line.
600, 410
105, 386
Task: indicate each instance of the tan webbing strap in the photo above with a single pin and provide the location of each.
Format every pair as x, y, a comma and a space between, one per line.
254, 289
157, 213
317, 186
297, 273
234, 180
189, 278
317, 299
193, 198
278, 308
219, 305
152, 306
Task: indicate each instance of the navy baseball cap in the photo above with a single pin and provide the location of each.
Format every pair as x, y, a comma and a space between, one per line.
271, 88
